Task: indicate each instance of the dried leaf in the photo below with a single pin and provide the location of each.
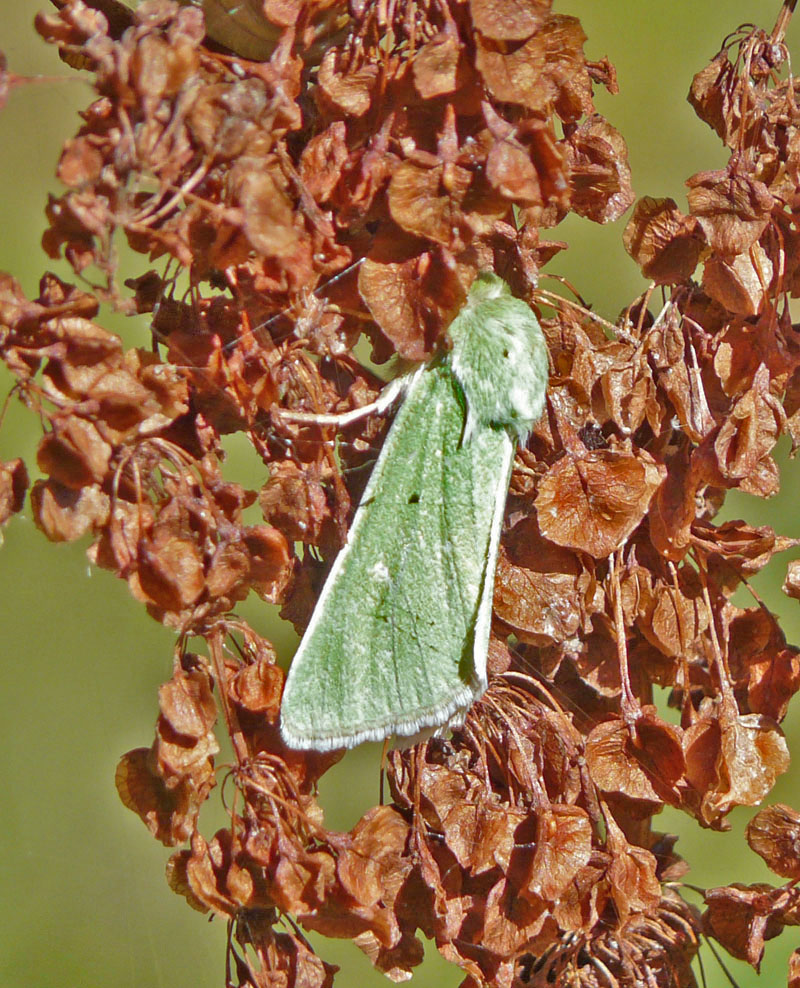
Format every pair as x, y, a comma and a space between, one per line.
13, 486
509, 20
742, 918
169, 811
540, 589
663, 242
410, 312
732, 208
546, 73
774, 833
593, 503
600, 177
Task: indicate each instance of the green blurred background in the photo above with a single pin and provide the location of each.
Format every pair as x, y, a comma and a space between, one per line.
82, 895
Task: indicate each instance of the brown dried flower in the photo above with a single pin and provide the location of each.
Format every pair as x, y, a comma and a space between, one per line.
350, 179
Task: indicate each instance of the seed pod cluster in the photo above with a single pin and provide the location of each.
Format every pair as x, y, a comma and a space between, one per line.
349, 187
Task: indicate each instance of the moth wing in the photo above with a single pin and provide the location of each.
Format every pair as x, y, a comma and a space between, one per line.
398, 640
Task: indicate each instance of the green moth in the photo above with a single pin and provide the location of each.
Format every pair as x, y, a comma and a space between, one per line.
397, 643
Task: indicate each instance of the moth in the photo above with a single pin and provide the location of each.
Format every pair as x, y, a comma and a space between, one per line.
398, 641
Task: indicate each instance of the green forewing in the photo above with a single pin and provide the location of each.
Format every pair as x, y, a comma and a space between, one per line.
398, 640
391, 645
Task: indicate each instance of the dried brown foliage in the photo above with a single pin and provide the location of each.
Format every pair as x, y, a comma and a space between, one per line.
426, 141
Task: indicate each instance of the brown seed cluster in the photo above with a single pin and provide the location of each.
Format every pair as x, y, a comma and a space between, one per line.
351, 185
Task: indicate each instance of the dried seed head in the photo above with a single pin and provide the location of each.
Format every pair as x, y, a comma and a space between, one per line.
352, 183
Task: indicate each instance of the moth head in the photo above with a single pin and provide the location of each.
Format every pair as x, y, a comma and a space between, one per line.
499, 357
